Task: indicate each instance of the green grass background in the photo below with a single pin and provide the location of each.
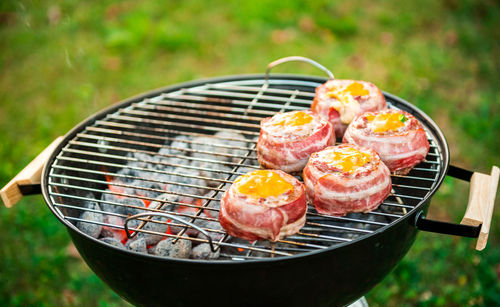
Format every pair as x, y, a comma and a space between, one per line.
61, 61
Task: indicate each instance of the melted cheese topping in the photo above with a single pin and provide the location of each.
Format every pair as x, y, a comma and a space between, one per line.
262, 184
345, 103
293, 119
384, 122
345, 159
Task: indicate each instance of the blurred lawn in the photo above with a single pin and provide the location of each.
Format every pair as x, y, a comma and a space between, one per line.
63, 61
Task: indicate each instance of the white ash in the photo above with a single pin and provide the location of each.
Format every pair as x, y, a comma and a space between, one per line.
205, 143
138, 245
162, 178
149, 176
213, 144
149, 164
154, 227
139, 206
112, 241
112, 232
170, 158
252, 159
125, 172
203, 251
151, 250
148, 189
92, 229
166, 248
91, 204
119, 208
141, 160
107, 232
164, 202
188, 180
177, 229
215, 171
117, 231
233, 135
133, 224
159, 204
182, 191
213, 225
215, 205
180, 145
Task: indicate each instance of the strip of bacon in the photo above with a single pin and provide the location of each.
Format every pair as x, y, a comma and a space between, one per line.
336, 192
288, 148
270, 218
400, 147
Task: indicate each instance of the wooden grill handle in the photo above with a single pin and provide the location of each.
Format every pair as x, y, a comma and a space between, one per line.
30, 175
483, 189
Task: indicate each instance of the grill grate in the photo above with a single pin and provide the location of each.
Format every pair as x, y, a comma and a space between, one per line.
155, 143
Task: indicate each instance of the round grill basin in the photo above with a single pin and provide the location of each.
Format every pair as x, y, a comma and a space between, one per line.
331, 261
126, 136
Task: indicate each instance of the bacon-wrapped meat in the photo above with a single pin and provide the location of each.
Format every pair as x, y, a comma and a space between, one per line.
288, 139
339, 101
346, 178
397, 136
263, 204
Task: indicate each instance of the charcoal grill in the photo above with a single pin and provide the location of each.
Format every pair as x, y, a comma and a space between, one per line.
331, 260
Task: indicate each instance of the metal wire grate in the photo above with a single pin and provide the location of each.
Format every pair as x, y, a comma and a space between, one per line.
155, 143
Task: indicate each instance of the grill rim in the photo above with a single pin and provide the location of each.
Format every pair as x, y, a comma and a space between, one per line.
429, 123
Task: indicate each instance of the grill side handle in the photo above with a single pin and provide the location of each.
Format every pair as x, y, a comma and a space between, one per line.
477, 218
28, 181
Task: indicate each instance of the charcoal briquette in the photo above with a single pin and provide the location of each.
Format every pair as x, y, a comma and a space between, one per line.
138, 245
233, 143
92, 229
166, 248
179, 145
113, 241
156, 227
203, 251
213, 171
213, 225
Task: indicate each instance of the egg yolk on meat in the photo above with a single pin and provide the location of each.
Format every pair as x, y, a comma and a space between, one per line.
353, 89
346, 159
344, 102
384, 122
293, 119
262, 184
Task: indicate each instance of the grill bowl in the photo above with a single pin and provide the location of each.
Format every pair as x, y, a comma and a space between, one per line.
335, 274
